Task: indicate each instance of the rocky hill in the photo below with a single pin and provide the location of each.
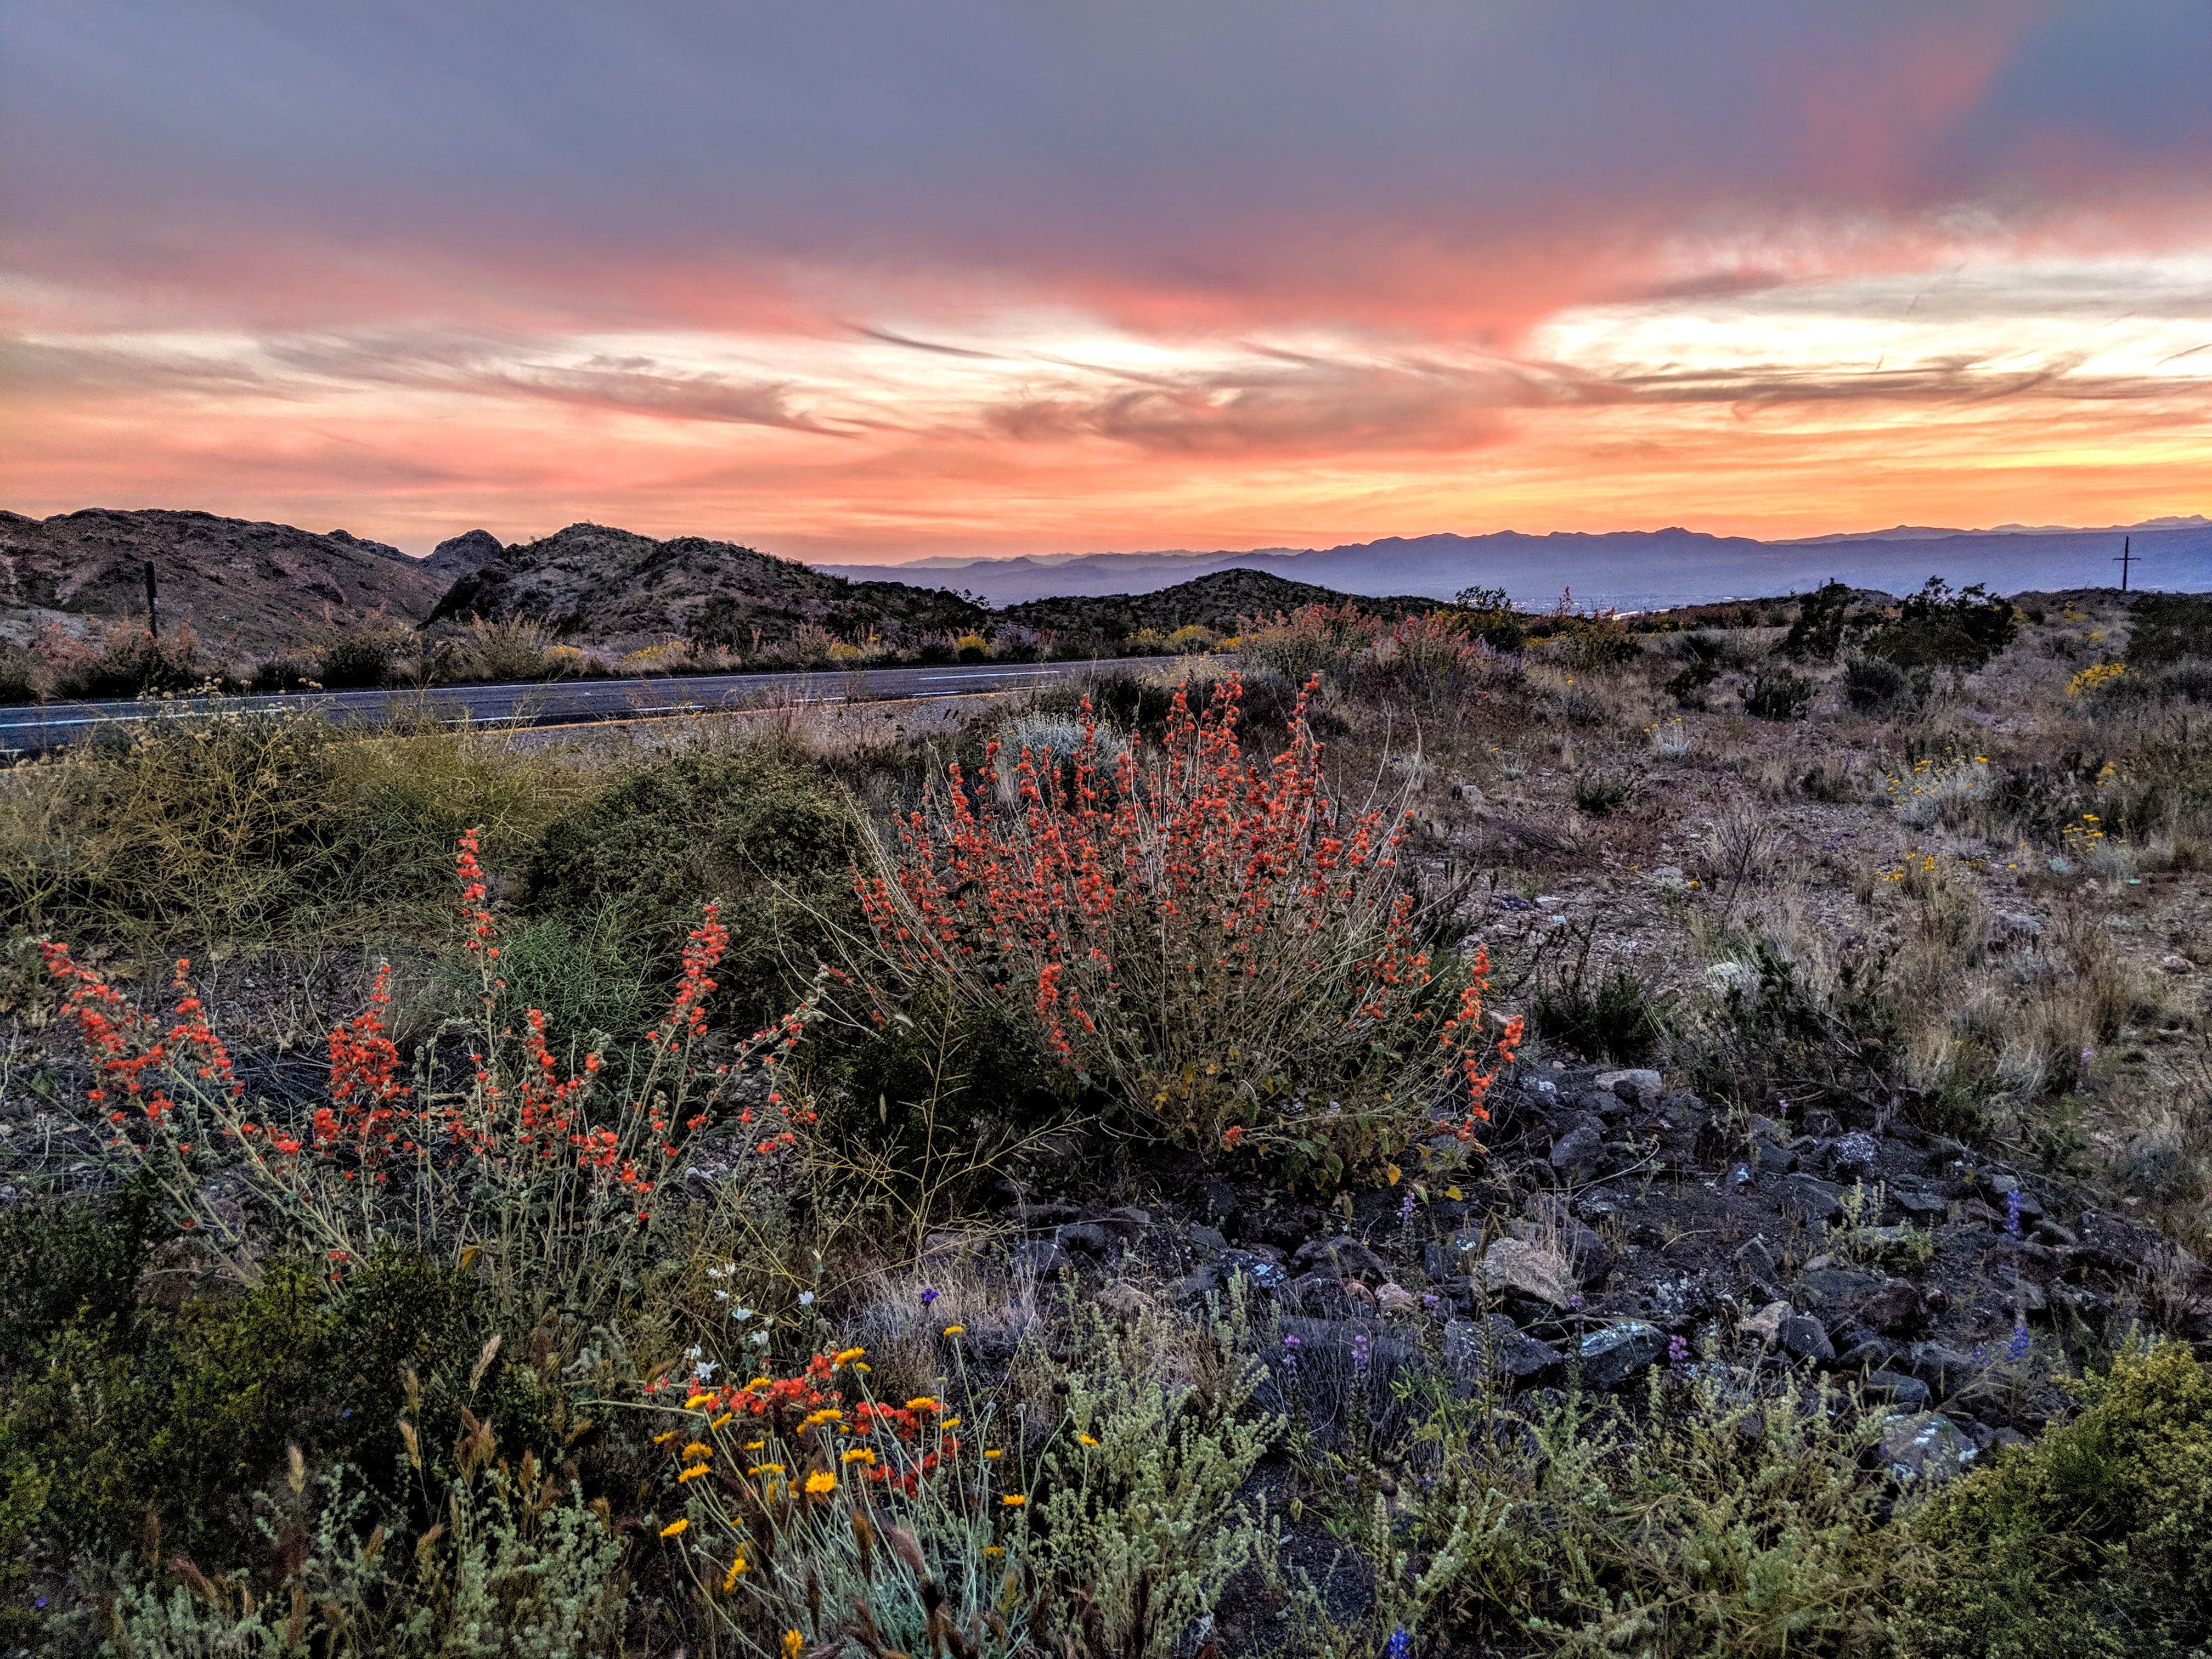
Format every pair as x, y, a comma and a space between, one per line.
245, 586
598, 586
463, 555
1214, 601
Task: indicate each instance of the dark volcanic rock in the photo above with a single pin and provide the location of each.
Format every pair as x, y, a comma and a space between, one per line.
1612, 1356
1498, 1348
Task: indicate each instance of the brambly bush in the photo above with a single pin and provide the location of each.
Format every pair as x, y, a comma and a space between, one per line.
2094, 1543
1218, 946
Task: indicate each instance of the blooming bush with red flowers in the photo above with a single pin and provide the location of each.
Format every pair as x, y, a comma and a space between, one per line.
1215, 942
542, 1167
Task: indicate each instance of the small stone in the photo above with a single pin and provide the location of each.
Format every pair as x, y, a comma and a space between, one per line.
1803, 1337
1926, 1446
1638, 1086
2176, 964
1612, 1356
1898, 1390
1039, 1258
1857, 1157
1517, 1265
1764, 1326
1575, 1154
1497, 1348
1811, 1198
1776, 1160
1755, 1259
1342, 1255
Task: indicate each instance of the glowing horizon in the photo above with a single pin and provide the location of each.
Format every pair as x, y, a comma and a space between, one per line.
864, 287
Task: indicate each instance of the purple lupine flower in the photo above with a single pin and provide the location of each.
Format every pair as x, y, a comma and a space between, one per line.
2016, 1349
1431, 1299
1359, 1354
1406, 1206
1400, 1645
1678, 1353
2012, 1212
1290, 1354
928, 1294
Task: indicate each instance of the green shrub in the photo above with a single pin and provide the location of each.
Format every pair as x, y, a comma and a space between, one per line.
2169, 627
1617, 1019
1936, 628
511, 1562
1590, 646
251, 826
2095, 1542
1817, 634
766, 833
1873, 685
357, 657
131, 663
1709, 1521
127, 1410
1779, 694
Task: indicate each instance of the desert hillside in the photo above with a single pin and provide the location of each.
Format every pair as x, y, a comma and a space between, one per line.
242, 586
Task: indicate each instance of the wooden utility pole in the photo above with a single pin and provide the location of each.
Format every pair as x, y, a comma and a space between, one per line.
153, 605
2123, 558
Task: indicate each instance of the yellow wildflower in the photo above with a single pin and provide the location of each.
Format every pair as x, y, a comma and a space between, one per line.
766, 1469
675, 1527
848, 1355
859, 1454
954, 1330
827, 1415
730, 1579
792, 1641
1012, 1500
923, 1403
1086, 1440
995, 1452
821, 1481
663, 1439
692, 1474
754, 1445
723, 1418
949, 1423
698, 1448
696, 1400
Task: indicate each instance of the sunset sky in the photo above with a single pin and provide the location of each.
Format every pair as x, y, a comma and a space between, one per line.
878, 280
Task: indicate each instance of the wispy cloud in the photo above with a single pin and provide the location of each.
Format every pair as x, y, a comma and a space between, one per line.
1245, 279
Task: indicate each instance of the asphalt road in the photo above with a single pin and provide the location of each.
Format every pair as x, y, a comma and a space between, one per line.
38, 729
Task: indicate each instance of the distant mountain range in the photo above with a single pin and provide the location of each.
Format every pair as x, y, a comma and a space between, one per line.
1633, 569
255, 588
